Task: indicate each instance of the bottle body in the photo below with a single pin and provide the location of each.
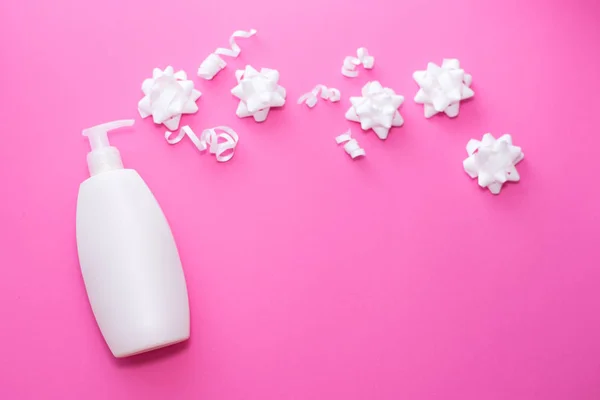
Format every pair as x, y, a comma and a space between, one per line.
130, 264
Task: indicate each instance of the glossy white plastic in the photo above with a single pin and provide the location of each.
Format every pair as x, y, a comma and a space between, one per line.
128, 257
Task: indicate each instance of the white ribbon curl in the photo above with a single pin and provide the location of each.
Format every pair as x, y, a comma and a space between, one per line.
222, 145
351, 63
310, 98
213, 64
351, 145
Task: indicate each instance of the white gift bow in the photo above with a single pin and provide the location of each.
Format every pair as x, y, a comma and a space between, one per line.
493, 161
376, 109
168, 95
213, 64
209, 139
258, 92
310, 98
350, 63
442, 88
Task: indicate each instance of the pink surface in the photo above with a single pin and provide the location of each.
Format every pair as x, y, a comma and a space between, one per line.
312, 276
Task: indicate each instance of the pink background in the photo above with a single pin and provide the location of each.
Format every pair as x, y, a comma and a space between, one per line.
312, 276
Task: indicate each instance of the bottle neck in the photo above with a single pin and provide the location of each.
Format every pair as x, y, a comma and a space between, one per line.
103, 160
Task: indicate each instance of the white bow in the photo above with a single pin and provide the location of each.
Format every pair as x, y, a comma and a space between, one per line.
258, 92
168, 95
443, 88
493, 161
376, 109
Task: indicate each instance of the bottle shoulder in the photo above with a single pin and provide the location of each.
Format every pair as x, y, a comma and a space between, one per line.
124, 185
114, 175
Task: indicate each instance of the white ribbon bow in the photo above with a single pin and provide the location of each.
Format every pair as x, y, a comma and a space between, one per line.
222, 145
351, 63
258, 92
376, 109
310, 98
168, 95
213, 64
443, 88
493, 161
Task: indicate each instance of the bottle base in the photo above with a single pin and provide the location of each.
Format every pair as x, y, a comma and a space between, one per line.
146, 348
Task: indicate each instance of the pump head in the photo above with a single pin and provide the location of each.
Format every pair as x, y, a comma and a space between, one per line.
103, 156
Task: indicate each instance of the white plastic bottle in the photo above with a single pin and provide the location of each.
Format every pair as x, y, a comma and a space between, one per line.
129, 260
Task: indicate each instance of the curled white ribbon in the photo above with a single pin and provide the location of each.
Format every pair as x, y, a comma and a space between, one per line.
310, 98
351, 145
213, 64
351, 63
222, 145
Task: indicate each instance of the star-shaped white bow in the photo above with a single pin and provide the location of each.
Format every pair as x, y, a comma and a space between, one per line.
376, 109
493, 161
258, 92
168, 95
442, 88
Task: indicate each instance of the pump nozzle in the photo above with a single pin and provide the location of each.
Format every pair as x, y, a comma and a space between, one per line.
103, 156
98, 134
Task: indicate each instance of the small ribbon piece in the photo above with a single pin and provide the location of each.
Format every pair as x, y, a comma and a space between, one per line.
351, 63
310, 98
352, 147
222, 145
443, 88
258, 92
168, 95
213, 64
493, 161
376, 109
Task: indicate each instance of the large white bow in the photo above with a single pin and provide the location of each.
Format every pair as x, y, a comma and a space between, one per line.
376, 109
492, 161
443, 88
258, 92
168, 95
